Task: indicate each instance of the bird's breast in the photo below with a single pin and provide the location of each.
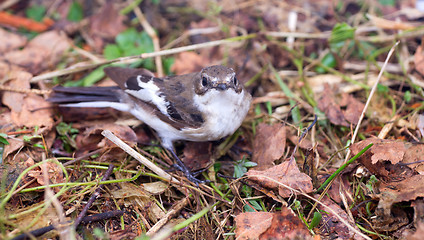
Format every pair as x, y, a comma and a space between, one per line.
223, 113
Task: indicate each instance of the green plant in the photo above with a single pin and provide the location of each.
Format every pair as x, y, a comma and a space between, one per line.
67, 134
240, 167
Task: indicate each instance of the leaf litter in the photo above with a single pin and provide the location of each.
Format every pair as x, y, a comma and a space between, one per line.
378, 195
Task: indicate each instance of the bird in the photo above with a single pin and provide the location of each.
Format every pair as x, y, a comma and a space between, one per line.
202, 106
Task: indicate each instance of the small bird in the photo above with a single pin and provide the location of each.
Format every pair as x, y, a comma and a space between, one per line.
201, 106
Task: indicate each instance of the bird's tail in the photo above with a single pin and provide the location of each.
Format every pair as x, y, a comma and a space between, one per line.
71, 95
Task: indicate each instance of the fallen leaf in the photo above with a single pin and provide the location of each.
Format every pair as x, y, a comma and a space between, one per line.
6, 70
43, 51
307, 144
43, 219
286, 173
418, 206
328, 105
403, 191
55, 174
391, 151
353, 110
265, 225
188, 62
269, 144
417, 235
106, 24
286, 225
10, 41
391, 159
197, 155
331, 225
91, 139
155, 188
250, 225
139, 198
20, 81
35, 112
27, 110
389, 218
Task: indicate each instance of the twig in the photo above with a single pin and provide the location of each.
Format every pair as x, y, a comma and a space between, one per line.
191, 32
82, 157
149, 29
79, 67
21, 90
93, 197
7, 4
355, 133
86, 219
175, 209
59, 223
109, 135
323, 35
300, 140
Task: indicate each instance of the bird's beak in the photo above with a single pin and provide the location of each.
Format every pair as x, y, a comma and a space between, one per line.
221, 86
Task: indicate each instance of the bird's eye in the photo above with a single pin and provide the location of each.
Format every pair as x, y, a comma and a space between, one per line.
204, 81
235, 81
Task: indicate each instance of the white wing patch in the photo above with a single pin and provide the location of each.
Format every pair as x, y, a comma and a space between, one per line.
150, 93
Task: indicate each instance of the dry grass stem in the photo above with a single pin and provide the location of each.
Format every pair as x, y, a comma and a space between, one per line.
149, 29
159, 171
373, 89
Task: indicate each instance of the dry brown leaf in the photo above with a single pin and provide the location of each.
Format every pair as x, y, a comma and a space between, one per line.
328, 105
417, 235
43, 51
418, 206
13, 146
269, 144
391, 151
390, 218
383, 157
188, 62
318, 83
331, 225
286, 173
197, 155
353, 110
286, 225
91, 138
35, 112
55, 174
105, 25
250, 225
10, 41
27, 110
140, 198
403, 191
19, 81
265, 225
155, 188
43, 219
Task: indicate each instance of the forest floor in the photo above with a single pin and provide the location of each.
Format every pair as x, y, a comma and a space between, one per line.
331, 147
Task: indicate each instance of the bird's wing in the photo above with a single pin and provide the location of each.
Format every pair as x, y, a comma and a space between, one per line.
172, 97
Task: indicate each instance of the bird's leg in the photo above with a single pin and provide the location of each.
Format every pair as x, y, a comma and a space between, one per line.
183, 168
